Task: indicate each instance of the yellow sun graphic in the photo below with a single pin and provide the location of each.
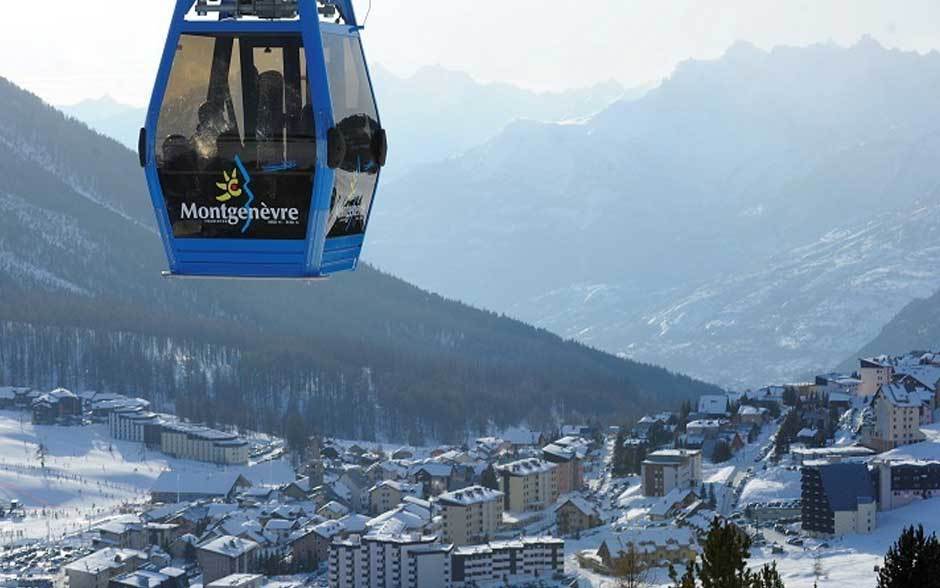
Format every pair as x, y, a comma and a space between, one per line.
231, 185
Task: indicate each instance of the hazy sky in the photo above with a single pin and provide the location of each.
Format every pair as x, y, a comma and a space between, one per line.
78, 50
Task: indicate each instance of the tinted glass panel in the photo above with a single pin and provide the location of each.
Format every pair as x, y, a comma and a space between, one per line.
356, 117
236, 149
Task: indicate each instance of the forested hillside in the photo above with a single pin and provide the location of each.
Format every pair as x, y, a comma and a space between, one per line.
916, 327
82, 305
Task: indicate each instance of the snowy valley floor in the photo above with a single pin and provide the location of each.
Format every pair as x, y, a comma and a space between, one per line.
88, 477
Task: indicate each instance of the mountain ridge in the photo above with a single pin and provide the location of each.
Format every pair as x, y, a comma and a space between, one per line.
362, 354
729, 166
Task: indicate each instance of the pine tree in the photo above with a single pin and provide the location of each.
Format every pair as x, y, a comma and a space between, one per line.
618, 461
914, 560
724, 557
687, 580
488, 478
767, 577
722, 452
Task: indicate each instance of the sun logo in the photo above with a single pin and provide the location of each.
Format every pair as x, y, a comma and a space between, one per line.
231, 186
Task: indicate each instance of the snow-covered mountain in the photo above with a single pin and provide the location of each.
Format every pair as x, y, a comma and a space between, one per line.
434, 114
82, 305
109, 117
753, 218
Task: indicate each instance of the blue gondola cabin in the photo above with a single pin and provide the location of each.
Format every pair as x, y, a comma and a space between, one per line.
263, 144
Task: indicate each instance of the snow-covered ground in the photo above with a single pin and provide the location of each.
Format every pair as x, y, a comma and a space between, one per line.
850, 561
88, 477
774, 483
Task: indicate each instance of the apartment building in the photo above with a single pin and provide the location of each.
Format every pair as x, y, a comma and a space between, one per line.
568, 455
904, 482
197, 443
507, 563
129, 424
837, 499
385, 561
667, 469
470, 515
874, 372
528, 484
897, 416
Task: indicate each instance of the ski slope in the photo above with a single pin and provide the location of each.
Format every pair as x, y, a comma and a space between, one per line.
88, 477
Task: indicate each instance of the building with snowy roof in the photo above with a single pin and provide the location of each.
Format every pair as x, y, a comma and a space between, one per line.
238, 581
568, 455
165, 578
903, 482
225, 556
99, 568
470, 515
574, 514
58, 406
389, 493
899, 411
189, 486
666, 469
186, 441
512, 563
528, 484
713, 405
837, 499
385, 560
653, 547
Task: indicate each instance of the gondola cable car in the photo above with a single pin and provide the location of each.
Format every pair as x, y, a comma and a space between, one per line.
263, 144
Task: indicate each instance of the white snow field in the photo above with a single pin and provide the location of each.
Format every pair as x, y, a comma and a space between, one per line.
87, 478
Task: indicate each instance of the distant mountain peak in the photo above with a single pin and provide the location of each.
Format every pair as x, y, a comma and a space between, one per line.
867, 42
744, 50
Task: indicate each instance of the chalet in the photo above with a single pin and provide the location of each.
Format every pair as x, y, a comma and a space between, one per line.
434, 477
333, 510
672, 503
299, 489
574, 514
669, 544
58, 406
